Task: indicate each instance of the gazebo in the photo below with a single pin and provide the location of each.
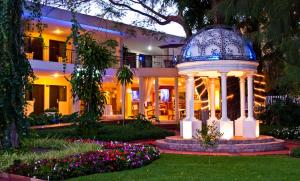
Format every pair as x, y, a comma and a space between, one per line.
215, 52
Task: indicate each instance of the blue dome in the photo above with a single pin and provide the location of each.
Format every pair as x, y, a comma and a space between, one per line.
217, 43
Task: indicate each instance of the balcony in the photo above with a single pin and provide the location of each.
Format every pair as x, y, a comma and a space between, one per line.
151, 61
51, 54
52, 59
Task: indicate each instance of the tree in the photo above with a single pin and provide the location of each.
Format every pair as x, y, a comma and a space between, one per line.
15, 73
274, 28
124, 76
190, 14
86, 80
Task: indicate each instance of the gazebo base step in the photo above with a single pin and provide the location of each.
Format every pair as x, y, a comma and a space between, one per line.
236, 145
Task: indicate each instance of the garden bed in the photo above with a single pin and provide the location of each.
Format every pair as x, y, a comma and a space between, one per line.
111, 157
43, 148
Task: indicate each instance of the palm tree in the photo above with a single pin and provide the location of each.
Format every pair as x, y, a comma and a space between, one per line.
124, 76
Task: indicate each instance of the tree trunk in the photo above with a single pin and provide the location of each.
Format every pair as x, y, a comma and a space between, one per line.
123, 102
13, 135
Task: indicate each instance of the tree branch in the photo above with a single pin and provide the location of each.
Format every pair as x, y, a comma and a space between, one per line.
167, 19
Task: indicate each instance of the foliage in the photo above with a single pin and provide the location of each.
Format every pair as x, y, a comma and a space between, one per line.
124, 76
190, 14
15, 73
274, 28
296, 152
43, 148
141, 121
113, 157
52, 109
281, 113
193, 167
209, 136
292, 133
46, 118
88, 126
86, 80
127, 132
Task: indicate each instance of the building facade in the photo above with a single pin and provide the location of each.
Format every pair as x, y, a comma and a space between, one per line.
157, 88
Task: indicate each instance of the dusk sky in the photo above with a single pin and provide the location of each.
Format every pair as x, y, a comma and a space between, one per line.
172, 28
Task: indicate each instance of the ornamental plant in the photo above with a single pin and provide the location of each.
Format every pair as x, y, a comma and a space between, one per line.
295, 152
93, 59
112, 157
125, 77
209, 137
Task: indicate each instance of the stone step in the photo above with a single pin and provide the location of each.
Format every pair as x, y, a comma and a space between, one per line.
229, 148
261, 139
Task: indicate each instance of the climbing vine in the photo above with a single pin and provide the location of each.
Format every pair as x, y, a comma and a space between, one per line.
16, 74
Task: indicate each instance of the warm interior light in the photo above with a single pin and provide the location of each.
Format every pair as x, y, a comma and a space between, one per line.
55, 75
57, 31
149, 48
217, 99
262, 97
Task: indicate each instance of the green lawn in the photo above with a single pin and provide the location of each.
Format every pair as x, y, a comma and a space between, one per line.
190, 167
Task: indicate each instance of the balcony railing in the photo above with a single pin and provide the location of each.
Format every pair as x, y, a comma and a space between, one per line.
151, 61
55, 55
52, 54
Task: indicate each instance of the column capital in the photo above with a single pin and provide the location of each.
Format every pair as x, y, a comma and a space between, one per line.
250, 74
242, 79
190, 76
223, 73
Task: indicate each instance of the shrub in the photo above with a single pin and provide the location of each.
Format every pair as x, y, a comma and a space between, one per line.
104, 132
281, 113
286, 133
295, 152
88, 126
141, 121
50, 117
208, 136
113, 157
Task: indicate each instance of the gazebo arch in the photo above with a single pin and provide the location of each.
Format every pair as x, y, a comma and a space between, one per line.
214, 52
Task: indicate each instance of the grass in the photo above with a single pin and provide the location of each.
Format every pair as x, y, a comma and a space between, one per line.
110, 132
191, 167
57, 148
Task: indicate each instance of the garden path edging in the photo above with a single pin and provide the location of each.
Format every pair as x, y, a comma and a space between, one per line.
12, 177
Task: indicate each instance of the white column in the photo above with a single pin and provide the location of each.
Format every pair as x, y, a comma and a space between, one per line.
225, 125
242, 96
141, 95
239, 122
176, 100
190, 124
250, 125
212, 97
190, 91
156, 98
250, 95
212, 102
224, 96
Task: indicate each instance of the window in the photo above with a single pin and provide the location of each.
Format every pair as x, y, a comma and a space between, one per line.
34, 47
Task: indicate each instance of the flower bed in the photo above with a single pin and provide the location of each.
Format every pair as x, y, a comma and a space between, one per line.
112, 157
287, 133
